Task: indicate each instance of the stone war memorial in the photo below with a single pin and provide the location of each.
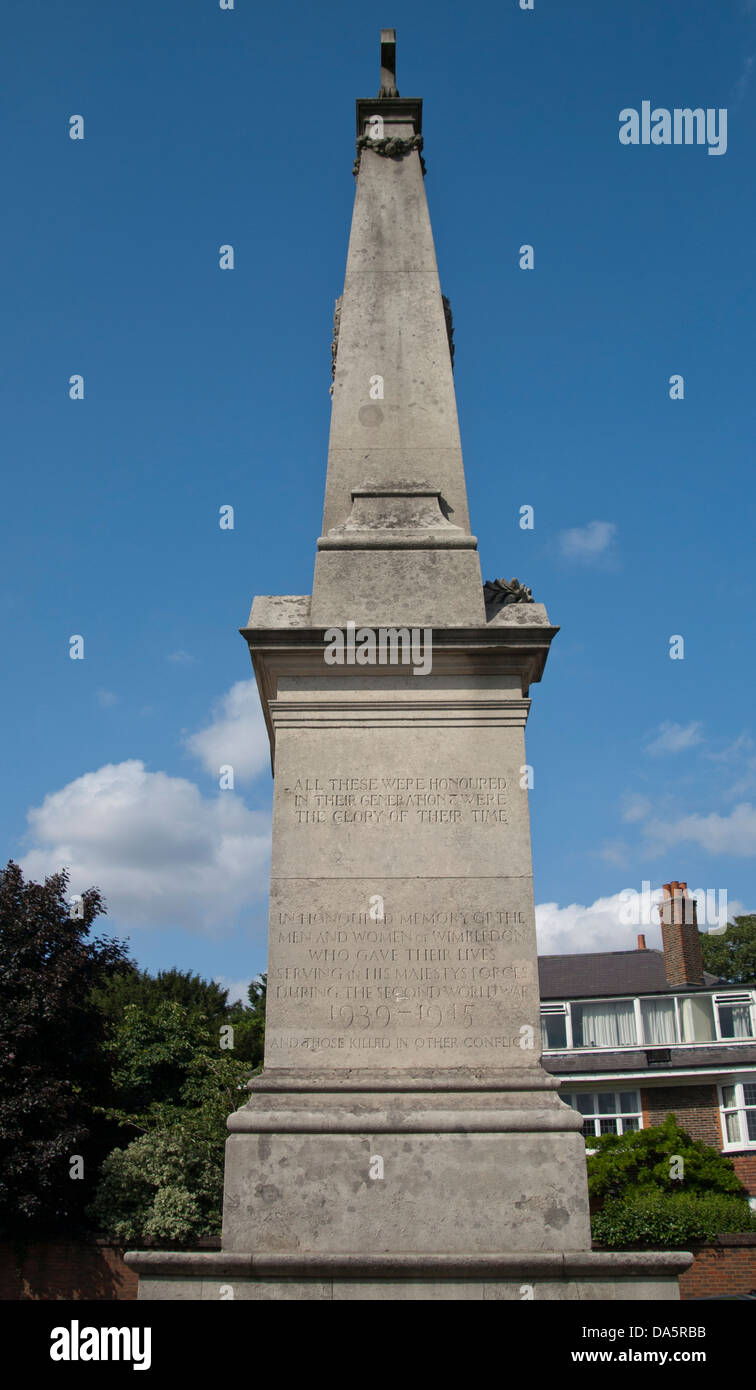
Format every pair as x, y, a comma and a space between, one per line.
403, 1140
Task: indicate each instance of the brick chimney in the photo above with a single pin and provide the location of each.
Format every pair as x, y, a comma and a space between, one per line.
641, 942
681, 941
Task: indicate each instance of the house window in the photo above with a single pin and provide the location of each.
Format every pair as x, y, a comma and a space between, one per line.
734, 1015
606, 1112
659, 1023
738, 1103
696, 1018
554, 1027
604, 1023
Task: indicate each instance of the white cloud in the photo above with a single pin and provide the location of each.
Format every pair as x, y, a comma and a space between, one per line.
106, 699
237, 989
734, 752
588, 543
614, 852
635, 807
159, 852
675, 738
236, 735
600, 927
739, 754
731, 834
181, 658
574, 929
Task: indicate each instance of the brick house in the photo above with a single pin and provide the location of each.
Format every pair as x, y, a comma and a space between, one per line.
636, 1034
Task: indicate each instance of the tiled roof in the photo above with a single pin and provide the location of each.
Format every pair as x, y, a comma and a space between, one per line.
594, 974
729, 1058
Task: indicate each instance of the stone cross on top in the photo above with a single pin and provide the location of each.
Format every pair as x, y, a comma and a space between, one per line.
388, 63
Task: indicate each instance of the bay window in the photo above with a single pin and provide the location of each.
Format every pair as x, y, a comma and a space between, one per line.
653, 1021
738, 1110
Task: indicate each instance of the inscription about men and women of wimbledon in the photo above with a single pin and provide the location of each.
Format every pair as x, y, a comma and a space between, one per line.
425, 979
399, 800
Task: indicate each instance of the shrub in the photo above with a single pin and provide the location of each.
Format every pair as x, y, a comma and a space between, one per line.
163, 1186
672, 1220
631, 1165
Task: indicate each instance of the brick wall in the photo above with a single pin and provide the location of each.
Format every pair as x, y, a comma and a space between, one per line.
82, 1269
95, 1270
695, 1107
745, 1167
726, 1266
65, 1269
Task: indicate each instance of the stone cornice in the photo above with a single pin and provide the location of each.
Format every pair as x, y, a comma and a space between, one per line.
399, 713
516, 655
592, 1265
393, 110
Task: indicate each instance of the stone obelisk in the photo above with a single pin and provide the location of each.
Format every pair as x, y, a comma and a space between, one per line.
403, 1140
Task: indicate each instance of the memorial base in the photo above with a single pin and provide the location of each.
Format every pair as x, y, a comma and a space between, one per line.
461, 1185
583, 1276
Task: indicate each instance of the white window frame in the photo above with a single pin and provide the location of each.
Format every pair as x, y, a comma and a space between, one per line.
558, 1011
565, 1008
619, 1116
740, 1107
608, 999
736, 997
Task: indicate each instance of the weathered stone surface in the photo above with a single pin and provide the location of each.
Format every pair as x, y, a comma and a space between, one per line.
592, 1276
394, 413
440, 1193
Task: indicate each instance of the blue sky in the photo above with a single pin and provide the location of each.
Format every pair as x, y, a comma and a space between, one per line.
205, 387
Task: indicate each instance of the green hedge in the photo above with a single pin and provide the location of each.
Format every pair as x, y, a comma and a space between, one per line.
670, 1219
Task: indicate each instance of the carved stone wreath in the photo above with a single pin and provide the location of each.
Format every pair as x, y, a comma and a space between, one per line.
499, 593
390, 147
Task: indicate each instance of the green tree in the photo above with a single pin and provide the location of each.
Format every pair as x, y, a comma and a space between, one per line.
641, 1162
151, 1057
148, 992
53, 1070
732, 956
248, 1022
201, 1000
175, 1088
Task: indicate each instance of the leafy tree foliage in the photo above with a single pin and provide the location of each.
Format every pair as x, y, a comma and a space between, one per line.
53, 1071
249, 1022
206, 1002
160, 1188
732, 956
177, 1087
148, 992
96, 1053
638, 1164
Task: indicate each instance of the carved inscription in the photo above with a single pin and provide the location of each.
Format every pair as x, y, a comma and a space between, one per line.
427, 981
398, 800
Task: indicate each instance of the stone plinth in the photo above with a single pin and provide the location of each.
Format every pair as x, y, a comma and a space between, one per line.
403, 1140
577, 1277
